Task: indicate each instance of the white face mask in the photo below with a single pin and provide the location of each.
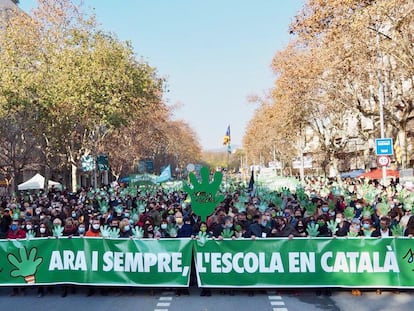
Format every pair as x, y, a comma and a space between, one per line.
29, 227
338, 220
126, 228
95, 226
42, 230
164, 226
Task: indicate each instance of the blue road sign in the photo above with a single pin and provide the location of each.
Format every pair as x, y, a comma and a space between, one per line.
383, 146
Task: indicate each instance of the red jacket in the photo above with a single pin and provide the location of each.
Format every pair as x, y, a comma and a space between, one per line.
18, 234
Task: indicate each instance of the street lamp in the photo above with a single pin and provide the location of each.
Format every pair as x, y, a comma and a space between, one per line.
99, 132
380, 94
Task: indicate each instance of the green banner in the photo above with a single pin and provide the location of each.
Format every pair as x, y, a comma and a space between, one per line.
115, 262
316, 262
142, 178
245, 263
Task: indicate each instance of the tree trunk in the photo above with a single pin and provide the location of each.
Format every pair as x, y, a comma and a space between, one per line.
333, 166
402, 136
74, 169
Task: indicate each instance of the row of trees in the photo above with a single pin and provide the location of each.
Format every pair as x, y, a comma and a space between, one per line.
69, 89
345, 60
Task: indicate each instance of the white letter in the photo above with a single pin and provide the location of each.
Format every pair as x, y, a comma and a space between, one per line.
68, 259
176, 262
276, 263
227, 266
149, 260
119, 262
365, 264
307, 263
133, 262
94, 261
324, 262
107, 258
390, 262
199, 263
215, 262
352, 261
262, 264
55, 261
164, 260
251, 262
294, 262
236, 266
341, 263
80, 263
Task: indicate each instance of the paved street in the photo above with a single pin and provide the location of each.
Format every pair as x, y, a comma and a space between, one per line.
167, 300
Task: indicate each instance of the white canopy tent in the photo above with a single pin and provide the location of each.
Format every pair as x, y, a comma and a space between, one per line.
37, 182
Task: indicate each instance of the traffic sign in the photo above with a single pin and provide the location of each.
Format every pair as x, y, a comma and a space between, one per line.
383, 146
383, 160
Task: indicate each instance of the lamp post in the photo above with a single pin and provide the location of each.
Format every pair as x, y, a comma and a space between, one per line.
98, 134
380, 93
95, 162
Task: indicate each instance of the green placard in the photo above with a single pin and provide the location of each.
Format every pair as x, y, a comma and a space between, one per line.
316, 262
118, 262
102, 161
87, 163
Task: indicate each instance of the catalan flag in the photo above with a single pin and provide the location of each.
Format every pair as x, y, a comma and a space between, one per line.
227, 139
398, 150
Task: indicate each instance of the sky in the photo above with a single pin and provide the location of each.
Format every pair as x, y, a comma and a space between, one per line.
213, 53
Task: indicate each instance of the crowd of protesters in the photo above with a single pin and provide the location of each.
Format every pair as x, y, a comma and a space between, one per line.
238, 216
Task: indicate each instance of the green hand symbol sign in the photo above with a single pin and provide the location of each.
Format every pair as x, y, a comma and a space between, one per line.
201, 238
312, 230
26, 265
204, 197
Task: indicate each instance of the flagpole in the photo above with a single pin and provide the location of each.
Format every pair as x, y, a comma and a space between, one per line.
226, 142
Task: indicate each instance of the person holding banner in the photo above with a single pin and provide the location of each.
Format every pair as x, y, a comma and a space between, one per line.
70, 228
259, 228
285, 229
226, 223
94, 230
384, 228
342, 225
125, 228
43, 230
15, 231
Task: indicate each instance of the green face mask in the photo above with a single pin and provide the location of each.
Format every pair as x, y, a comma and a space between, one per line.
321, 223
